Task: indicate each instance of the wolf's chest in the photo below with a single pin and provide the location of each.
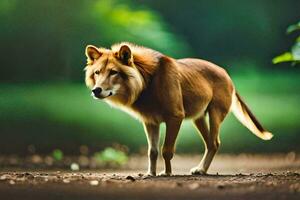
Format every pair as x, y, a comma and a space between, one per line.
144, 114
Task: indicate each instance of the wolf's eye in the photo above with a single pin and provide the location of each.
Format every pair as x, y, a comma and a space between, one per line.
113, 72
97, 72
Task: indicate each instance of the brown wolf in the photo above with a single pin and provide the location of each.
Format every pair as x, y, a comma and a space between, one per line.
156, 88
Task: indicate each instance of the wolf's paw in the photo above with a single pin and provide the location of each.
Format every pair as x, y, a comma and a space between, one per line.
197, 171
164, 173
150, 174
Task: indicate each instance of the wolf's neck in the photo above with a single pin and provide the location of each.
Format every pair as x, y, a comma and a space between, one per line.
147, 63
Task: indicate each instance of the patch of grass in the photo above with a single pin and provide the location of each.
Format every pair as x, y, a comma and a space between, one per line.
57, 154
111, 157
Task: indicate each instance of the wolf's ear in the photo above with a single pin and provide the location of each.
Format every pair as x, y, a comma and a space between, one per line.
125, 55
92, 53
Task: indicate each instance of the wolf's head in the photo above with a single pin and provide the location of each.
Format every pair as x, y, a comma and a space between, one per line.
112, 74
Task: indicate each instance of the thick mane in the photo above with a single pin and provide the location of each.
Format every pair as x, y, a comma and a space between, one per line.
145, 60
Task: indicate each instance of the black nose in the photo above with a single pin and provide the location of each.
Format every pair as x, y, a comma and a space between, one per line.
97, 91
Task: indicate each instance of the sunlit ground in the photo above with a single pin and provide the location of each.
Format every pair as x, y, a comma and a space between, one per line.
231, 177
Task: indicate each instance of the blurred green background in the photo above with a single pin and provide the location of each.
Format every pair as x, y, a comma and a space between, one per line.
44, 101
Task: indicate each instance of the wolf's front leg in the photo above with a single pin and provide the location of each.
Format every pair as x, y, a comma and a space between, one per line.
172, 129
152, 132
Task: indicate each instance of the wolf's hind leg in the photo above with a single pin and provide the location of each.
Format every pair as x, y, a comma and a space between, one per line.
211, 139
152, 133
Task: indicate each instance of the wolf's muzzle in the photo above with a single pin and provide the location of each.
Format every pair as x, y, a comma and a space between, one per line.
97, 92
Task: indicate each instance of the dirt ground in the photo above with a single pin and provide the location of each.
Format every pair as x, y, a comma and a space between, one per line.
230, 177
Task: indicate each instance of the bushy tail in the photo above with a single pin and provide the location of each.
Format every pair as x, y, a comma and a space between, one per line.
246, 117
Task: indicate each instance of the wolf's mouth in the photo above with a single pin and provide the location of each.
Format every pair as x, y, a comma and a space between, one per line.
100, 96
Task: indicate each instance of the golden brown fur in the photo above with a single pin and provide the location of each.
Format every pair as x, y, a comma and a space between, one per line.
156, 88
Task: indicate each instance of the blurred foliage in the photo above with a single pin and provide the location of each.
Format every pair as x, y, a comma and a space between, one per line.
111, 157
294, 55
44, 102
230, 31
143, 26
46, 39
57, 154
